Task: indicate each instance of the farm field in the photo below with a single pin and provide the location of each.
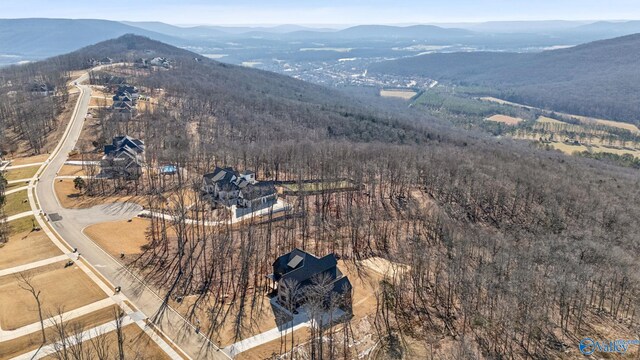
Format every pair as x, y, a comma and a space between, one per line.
548, 120
585, 119
398, 93
508, 120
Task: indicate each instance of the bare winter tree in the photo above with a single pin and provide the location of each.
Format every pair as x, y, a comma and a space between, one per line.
26, 283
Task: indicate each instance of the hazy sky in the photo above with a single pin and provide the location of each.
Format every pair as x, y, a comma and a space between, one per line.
323, 12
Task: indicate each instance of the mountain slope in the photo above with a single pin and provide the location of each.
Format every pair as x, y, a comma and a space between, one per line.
261, 103
599, 78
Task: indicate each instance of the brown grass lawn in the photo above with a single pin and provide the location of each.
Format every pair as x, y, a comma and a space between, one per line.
71, 170
100, 100
30, 342
120, 236
69, 288
69, 197
29, 159
21, 173
16, 185
16, 204
21, 225
27, 247
254, 324
137, 345
274, 348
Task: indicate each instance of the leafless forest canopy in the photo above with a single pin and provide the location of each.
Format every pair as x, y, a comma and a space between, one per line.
509, 250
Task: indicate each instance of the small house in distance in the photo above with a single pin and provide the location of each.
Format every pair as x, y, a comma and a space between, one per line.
302, 268
123, 158
41, 89
227, 187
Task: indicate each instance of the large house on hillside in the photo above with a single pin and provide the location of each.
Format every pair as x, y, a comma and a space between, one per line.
228, 187
123, 158
41, 89
302, 269
125, 99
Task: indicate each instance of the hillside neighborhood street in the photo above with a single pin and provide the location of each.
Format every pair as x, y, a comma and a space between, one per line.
69, 223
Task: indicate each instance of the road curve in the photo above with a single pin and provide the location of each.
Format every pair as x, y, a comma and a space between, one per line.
69, 224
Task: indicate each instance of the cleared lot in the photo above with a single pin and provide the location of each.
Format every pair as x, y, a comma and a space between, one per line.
27, 247
68, 289
120, 236
21, 173
16, 203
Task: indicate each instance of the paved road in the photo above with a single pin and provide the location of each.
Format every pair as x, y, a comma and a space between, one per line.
69, 224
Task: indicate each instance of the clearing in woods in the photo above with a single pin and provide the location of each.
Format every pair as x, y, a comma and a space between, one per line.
404, 94
508, 120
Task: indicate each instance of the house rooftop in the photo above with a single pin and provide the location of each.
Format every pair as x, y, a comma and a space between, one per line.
302, 266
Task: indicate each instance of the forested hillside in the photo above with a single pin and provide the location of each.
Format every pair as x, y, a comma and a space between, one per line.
504, 251
598, 79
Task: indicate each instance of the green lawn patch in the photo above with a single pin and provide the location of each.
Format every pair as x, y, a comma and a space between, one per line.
16, 185
21, 173
21, 225
15, 203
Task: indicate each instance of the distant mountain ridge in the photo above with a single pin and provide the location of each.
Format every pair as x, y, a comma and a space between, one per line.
598, 79
38, 38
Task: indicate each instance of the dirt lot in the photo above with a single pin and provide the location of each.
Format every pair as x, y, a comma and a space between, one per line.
32, 341
27, 247
69, 288
15, 203
120, 236
21, 173
69, 197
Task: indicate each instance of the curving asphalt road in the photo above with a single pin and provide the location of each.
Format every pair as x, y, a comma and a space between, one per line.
69, 224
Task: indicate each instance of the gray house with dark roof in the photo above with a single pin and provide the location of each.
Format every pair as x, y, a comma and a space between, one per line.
228, 187
303, 267
123, 158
